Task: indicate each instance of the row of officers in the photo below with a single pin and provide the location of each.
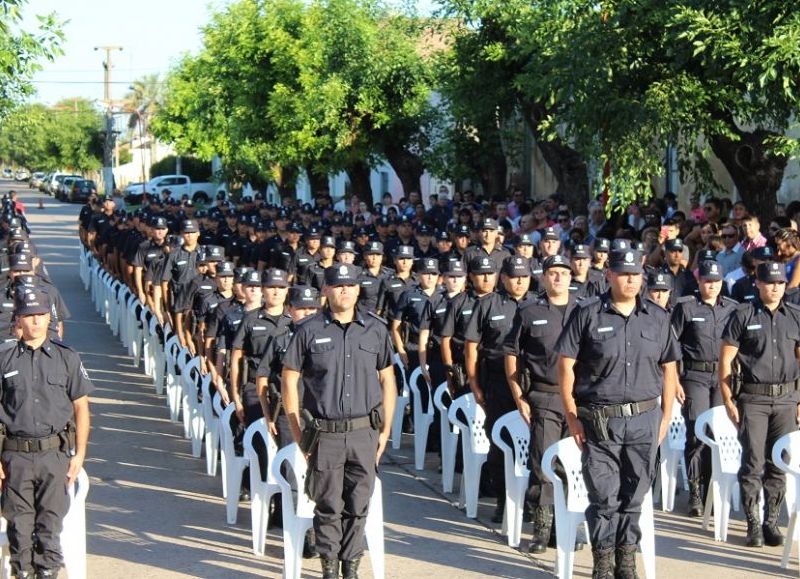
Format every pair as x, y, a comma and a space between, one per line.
602, 365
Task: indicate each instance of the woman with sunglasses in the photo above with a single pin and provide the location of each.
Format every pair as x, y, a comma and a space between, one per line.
787, 243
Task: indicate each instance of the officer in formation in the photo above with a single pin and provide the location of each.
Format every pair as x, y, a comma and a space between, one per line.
617, 356
44, 413
530, 364
343, 358
762, 398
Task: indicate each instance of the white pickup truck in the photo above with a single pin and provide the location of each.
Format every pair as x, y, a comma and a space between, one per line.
178, 185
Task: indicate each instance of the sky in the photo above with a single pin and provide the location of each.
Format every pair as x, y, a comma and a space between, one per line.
153, 35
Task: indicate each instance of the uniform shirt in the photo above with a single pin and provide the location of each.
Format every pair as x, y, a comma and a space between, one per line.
200, 288
301, 261
226, 323
584, 289
39, 387
766, 342
533, 336
340, 364
699, 326
744, 290
497, 254
618, 358
99, 223
392, 287
683, 284
456, 319
452, 255
411, 309
207, 311
370, 285
149, 256
271, 364
254, 334
179, 268
85, 216
490, 325
433, 318
315, 276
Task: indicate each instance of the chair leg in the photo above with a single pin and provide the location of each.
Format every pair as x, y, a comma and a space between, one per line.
234, 486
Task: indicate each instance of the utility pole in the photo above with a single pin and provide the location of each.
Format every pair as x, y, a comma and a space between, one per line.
108, 148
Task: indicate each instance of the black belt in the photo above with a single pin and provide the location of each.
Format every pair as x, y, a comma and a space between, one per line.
700, 366
341, 426
625, 410
32, 444
769, 389
544, 387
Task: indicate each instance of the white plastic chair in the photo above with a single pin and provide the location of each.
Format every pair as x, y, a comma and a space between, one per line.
672, 458
402, 402
192, 381
789, 444
217, 401
726, 457
211, 420
449, 437
475, 448
175, 386
233, 466
570, 510
423, 418
298, 515
517, 473
261, 491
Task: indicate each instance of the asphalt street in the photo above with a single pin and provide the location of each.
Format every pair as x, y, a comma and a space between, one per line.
153, 512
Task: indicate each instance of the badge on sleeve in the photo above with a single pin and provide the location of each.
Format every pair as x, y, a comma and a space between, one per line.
84, 372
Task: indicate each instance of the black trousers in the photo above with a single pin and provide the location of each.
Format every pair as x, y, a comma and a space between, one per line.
761, 424
548, 426
35, 503
498, 402
340, 480
618, 473
701, 394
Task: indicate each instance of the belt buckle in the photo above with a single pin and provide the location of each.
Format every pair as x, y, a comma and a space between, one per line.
627, 410
775, 389
28, 445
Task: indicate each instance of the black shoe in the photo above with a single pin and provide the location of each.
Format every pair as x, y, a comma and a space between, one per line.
695, 499
755, 535
330, 568
276, 517
24, 575
772, 535
603, 567
44, 574
244, 495
350, 569
542, 527
626, 562
499, 511
310, 545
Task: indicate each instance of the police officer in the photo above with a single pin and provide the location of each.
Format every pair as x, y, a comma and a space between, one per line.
372, 274
764, 337
683, 282
45, 415
394, 285
658, 288
617, 355
581, 285
698, 321
486, 333
344, 358
487, 247
530, 349
178, 271
406, 319
315, 273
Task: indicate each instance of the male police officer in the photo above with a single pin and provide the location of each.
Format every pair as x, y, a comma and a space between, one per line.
345, 359
45, 416
765, 338
617, 356
698, 322
530, 347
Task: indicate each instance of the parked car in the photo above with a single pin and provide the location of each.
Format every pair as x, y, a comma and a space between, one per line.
80, 190
65, 186
36, 179
52, 181
8, 174
22, 175
178, 185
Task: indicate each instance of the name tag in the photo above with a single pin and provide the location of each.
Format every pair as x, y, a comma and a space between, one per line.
537, 271
366, 283
322, 340
754, 327
466, 312
416, 299
10, 374
698, 319
493, 318
206, 287
8, 304
603, 330
440, 311
396, 285
151, 255
750, 297
539, 322
182, 262
259, 328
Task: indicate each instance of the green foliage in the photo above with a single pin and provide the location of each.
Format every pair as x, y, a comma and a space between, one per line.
66, 136
198, 170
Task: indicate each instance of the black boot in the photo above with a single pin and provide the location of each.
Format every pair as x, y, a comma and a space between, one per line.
542, 525
695, 499
755, 535
330, 568
499, 510
603, 564
772, 533
276, 517
45, 574
350, 569
23, 575
626, 562
310, 545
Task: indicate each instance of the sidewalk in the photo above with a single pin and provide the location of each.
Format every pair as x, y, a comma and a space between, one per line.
153, 512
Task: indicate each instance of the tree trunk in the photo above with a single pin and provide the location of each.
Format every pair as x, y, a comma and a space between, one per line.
288, 185
318, 181
360, 186
494, 177
567, 164
408, 167
756, 172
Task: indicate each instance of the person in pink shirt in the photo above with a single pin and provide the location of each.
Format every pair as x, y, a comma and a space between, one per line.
752, 233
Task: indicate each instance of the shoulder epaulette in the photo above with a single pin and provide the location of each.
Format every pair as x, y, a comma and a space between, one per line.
685, 299
58, 342
727, 300
379, 318
792, 306
588, 302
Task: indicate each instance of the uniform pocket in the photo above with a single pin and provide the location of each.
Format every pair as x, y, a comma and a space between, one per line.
14, 394
57, 380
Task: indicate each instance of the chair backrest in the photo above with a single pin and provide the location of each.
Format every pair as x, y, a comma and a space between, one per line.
153, 325
292, 456
472, 424
184, 357
403, 389
569, 455
225, 420
172, 347
786, 453
216, 404
414, 384
520, 434
78, 491
443, 400
259, 428
726, 451
676, 435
